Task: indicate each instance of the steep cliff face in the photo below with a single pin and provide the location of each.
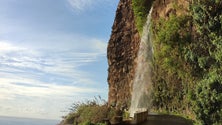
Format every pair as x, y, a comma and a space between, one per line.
122, 53
124, 44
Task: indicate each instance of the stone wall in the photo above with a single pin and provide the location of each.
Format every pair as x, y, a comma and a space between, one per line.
139, 117
122, 53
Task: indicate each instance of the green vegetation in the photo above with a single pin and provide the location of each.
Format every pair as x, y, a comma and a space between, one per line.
141, 9
208, 100
94, 112
188, 63
172, 75
91, 112
207, 17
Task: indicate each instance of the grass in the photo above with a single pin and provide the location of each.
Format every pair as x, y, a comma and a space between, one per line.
141, 9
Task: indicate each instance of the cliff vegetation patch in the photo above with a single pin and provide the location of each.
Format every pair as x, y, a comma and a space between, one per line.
188, 62
141, 9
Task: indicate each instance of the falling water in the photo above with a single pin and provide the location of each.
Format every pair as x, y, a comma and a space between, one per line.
142, 84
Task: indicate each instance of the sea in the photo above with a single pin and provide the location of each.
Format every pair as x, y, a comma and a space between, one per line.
26, 121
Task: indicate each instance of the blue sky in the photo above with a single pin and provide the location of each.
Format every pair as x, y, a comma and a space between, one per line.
52, 53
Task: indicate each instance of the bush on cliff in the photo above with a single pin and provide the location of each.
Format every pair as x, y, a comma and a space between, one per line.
141, 9
207, 18
91, 112
171, 76
188, 62
208, 100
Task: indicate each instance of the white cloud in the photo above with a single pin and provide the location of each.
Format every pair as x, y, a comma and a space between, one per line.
46, 101
9, 88
45, 62
99, 46
55, 64
5, 46
35, 98
36, 80
82, 5
64, 63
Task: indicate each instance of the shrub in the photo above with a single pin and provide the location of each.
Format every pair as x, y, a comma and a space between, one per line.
209, 99
207, 19
141, 9
171, 73
188, 62
89, 112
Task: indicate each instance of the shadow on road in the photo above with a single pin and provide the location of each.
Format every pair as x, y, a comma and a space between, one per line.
166, 120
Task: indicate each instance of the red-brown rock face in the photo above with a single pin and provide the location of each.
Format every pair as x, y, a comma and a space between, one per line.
122, 52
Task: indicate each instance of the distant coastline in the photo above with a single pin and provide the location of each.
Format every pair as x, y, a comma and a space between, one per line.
8, 120
17, 117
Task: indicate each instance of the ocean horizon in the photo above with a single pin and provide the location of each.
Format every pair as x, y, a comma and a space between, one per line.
5, 120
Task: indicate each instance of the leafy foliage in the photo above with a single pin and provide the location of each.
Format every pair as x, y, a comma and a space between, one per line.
188, 62
207, 17
91, 112
171, 73
141, 9
209, 99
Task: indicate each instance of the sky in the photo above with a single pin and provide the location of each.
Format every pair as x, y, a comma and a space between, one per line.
52, 54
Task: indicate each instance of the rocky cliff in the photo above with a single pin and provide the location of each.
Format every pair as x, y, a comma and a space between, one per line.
124, 44
122, 53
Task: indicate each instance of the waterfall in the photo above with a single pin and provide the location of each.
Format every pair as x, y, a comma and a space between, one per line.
142, 84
